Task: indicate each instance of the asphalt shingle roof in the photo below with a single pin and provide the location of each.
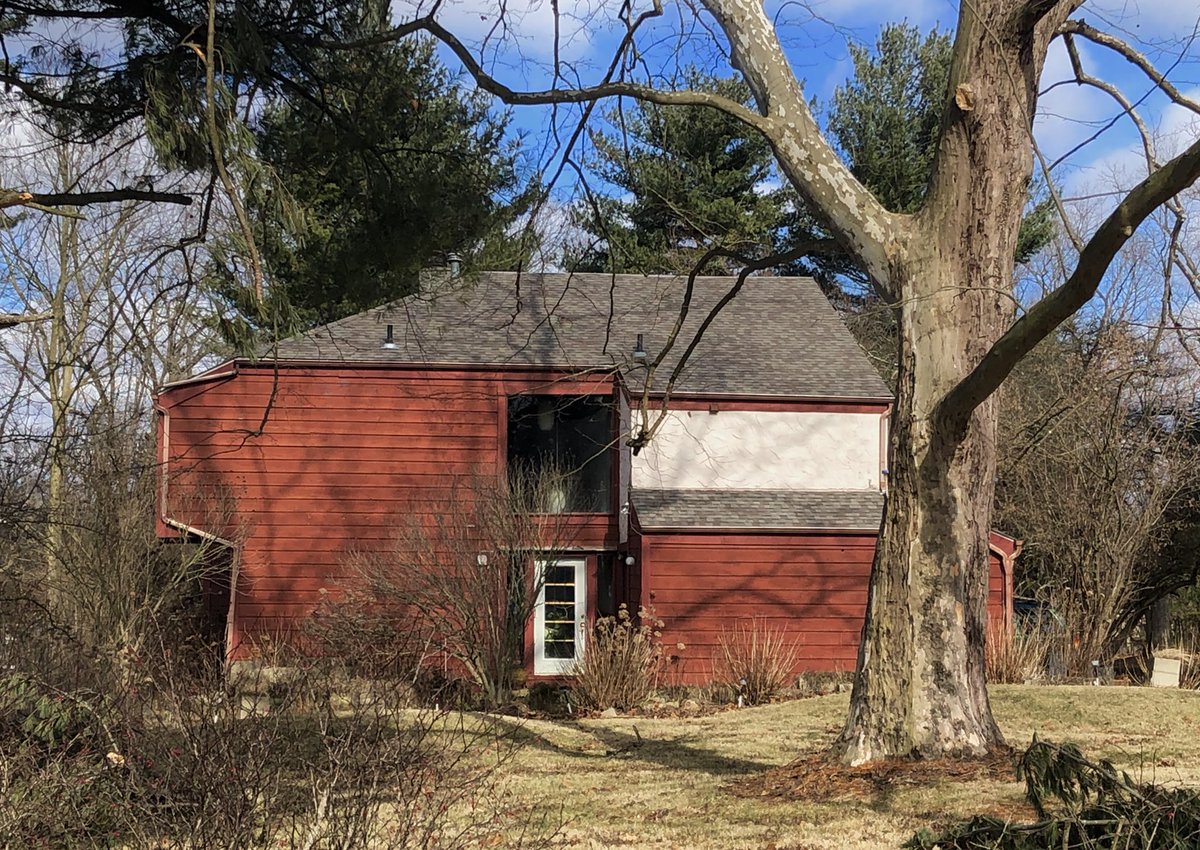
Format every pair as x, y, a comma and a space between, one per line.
858, 510
778, 337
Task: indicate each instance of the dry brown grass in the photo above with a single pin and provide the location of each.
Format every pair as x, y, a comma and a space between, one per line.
1020, 658
670, 790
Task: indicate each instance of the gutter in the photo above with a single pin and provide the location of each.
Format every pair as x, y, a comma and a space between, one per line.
204, 377
749, 529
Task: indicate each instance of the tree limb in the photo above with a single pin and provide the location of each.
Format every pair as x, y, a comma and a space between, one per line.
863, 226
587, 94
648, 429
83, 199
11, 320
1086, 30
1047, 314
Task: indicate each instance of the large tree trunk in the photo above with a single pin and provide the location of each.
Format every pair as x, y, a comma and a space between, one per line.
921, 686
921, 689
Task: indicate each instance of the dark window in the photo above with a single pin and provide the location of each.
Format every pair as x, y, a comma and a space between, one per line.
570, 437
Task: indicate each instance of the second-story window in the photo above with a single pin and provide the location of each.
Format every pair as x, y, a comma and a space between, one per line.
567, 441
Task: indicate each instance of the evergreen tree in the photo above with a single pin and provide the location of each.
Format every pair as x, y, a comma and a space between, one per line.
392, 169
887, 119
689, 178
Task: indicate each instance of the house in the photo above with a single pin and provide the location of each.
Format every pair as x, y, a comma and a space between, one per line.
758, 498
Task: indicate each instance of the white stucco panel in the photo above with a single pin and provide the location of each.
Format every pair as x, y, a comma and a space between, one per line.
752, 450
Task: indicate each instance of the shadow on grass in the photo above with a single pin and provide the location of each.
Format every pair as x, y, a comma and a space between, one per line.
683, 753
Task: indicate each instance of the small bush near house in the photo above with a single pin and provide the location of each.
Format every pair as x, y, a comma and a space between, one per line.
1018, 658
621, 662
1079, 804
756, 661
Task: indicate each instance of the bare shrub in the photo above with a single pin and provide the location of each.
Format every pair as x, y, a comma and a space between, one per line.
1020, 657
1098, 473
756, 660
182, 763
621, 662
459, 583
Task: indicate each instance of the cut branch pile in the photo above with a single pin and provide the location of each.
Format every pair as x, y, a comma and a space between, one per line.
1080, 804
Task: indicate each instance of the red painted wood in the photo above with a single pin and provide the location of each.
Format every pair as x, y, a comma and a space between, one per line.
308, 466
812, 586
305, 467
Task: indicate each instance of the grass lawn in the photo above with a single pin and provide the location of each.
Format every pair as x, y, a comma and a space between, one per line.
670, 791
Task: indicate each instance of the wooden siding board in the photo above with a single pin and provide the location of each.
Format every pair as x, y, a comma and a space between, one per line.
812, 585
315, 464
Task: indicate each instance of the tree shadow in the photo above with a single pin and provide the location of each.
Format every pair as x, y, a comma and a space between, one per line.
682, 753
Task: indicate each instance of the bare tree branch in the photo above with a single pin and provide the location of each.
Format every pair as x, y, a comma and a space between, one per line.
83, 199
1043, 317
588, 94
1085, 30
648, 429
863, 226
11, 320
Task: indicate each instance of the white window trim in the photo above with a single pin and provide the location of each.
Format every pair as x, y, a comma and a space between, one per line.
543, 666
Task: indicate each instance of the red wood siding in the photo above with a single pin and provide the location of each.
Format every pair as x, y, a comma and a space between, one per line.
812, 585
344, 456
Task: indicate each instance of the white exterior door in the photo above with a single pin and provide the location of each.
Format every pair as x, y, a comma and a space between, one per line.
560, 620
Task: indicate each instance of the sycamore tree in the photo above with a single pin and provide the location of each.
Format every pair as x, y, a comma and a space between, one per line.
946, 267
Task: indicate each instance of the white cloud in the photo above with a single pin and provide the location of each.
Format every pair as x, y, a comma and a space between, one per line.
518, 29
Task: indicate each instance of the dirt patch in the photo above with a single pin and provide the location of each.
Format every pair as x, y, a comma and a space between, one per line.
817, 778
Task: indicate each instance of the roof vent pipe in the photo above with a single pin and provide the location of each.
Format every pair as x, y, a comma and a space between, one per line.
389, 340
639, 349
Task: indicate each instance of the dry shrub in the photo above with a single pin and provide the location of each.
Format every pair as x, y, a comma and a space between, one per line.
459, 583
621, 662
180, 762
168, 755
1018, 658
756, 660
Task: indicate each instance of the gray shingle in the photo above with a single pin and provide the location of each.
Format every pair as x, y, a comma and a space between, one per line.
778, 337
858, 510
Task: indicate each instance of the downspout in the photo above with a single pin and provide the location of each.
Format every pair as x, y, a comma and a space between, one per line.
1009, 562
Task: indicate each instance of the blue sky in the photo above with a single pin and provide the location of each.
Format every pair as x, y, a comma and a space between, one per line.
817, 36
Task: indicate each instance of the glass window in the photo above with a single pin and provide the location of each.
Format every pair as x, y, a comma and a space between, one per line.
571, 437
